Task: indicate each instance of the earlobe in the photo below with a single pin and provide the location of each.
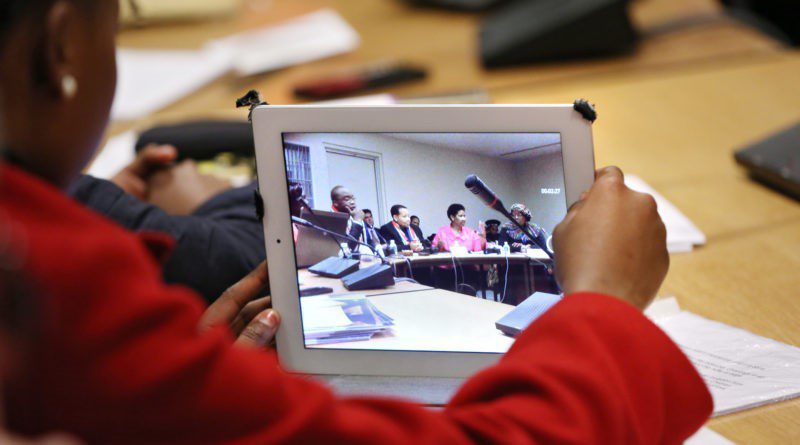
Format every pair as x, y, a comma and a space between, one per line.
69, 86
58, 46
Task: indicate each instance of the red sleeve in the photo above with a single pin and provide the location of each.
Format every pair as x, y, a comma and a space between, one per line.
122, 362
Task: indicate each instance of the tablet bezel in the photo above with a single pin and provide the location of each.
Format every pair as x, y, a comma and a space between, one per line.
269, 125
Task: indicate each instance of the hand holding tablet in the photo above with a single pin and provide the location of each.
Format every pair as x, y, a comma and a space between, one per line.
413, 160
612, 218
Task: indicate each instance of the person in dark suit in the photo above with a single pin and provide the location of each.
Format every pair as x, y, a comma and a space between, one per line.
372, 235
399, 229
344, 201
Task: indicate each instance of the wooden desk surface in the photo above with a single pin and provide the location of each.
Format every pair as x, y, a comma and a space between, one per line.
446, 43
673, 112
679, 132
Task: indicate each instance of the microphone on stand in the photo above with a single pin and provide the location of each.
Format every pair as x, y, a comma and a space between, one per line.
345, 237
485, 194
378, 276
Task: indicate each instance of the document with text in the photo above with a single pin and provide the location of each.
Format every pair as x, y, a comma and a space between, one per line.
741, 369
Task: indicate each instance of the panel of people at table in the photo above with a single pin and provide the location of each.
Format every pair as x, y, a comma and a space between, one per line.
454, 236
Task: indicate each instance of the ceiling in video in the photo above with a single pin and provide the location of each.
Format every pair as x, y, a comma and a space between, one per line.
423, 241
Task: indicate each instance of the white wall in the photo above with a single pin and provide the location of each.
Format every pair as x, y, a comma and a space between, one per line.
538, 178
428, 179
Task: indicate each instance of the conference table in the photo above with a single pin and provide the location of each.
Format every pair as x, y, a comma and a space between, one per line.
425, 318
529, 263
673, 111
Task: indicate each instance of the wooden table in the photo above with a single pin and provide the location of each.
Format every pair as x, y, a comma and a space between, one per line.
682, 142
672, 112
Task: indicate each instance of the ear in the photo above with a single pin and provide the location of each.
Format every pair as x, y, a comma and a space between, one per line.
59, 49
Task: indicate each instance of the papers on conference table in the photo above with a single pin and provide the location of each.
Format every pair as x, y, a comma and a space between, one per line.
117, 154
705, 436
152, 79
310, 37
741, 369
149, 80
336, 319
682, 234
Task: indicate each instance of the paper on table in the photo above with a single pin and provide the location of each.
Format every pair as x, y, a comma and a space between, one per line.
705, 436
682, 234
310, 37
152, 79
370, 99
741, 369
663, 307
116, 154
321, 312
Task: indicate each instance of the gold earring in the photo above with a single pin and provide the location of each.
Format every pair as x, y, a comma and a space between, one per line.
69, 86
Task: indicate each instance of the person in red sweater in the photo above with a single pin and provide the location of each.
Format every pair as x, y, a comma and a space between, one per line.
117, 356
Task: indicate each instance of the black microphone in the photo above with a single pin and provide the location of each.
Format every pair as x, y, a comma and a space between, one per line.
345, 237
484, 193
347, 269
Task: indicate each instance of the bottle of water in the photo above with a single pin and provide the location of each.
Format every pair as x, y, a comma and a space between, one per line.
506, 249
392, 249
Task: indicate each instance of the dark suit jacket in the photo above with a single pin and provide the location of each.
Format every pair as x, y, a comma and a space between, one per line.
388, 232
374, 235
221, 242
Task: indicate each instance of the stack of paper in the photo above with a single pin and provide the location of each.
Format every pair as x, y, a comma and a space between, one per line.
313, 36
117, 154
682, 234
337, 319
741, 369
152, 79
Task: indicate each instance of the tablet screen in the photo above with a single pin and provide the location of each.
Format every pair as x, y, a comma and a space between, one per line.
395, 252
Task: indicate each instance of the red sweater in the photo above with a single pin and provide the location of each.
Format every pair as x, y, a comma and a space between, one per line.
120, 360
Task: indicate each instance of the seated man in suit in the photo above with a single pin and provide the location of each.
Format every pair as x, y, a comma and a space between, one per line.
371, 235
405, 236
344, 201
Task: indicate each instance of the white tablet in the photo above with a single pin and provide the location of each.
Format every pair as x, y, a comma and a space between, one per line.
436, 316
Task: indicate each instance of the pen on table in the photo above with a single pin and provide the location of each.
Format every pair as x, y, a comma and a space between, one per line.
357, 80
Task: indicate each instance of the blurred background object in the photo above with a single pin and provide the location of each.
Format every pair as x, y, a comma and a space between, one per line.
143, 12
461, 5
775, 161
547, 30
779, 18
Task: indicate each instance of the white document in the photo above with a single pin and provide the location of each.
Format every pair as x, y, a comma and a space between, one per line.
320, 34
118, 152
371, 99
741, 369
682, 234
661, 308
323, 313
149, 80
705, 436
